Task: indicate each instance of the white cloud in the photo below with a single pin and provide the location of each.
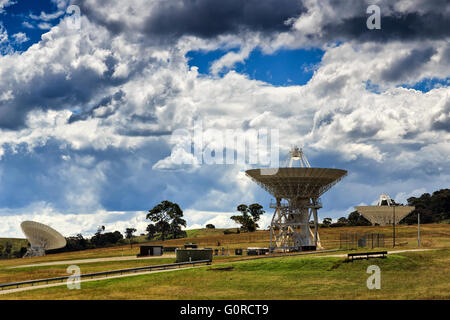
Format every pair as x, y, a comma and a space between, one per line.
20, 37
89, 91
28, 25
4, 4
47, 16
44, 26
70, 224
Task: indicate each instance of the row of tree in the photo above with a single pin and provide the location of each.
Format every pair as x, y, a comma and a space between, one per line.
167, 216
433, 208
7, 251
100, 239
167, 222
353, 219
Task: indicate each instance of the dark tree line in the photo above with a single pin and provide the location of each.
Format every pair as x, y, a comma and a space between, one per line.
100, 239
432, 208
353, 219
7, 252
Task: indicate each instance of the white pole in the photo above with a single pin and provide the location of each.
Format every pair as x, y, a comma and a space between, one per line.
418, 229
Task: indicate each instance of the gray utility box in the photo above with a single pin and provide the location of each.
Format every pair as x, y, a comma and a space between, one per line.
189, 255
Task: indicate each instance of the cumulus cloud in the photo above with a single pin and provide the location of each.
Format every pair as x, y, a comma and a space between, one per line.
406, 20
5, 46
87, 116
20, 37
170, 20
4, 4
43, 16
70, 224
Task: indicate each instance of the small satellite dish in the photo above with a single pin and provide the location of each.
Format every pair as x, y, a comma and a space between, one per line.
41, 238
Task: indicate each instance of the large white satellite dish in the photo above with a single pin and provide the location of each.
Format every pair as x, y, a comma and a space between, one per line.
41, 238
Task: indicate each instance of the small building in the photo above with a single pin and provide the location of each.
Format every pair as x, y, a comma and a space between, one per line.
189, 255
257, 251
190, 246
146, 251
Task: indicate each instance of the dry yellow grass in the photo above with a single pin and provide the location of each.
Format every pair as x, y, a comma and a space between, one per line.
415, 275
433, 236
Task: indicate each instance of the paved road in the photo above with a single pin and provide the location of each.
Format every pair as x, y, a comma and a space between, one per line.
81, 261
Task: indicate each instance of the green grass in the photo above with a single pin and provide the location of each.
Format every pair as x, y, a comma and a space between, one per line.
42, 272
415, 275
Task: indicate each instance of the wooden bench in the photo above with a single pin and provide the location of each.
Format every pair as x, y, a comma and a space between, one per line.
366, 255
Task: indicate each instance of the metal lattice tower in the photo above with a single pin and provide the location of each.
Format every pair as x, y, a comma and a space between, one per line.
297, 194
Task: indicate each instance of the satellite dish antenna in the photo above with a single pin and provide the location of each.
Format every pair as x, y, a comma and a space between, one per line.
386, 212
297, 193
41, 238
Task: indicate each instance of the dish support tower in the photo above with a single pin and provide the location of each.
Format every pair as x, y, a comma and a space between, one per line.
290, 228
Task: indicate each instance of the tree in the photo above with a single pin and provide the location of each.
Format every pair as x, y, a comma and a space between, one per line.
432, 208
210, 226
343, 220
151, 231
250, 216
8, 249
168, 220
356, 219
100, 240
327, 222
129, 235
100, 229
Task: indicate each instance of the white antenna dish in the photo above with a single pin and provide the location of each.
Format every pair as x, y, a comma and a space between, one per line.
297, 193
384, 212
41, 238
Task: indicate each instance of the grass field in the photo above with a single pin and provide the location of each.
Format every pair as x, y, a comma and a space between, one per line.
309, 271
418, 275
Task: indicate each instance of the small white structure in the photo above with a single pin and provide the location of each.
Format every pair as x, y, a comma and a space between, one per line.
41, 238
385, 200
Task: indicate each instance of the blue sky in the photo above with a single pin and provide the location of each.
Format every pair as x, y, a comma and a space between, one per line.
88, 115
283, 68
21, 17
